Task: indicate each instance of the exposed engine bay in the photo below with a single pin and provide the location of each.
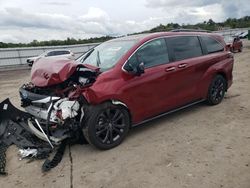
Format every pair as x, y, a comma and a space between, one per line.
57, 110
54, 112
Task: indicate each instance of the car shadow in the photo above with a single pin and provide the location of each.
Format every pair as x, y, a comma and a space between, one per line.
140, 129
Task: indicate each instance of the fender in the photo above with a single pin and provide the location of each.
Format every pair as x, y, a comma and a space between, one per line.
224, 68
93, 99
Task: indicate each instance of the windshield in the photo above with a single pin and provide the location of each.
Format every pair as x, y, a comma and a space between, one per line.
107, 54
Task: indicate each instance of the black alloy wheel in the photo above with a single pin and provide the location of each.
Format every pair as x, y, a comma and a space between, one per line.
217, 90
110, 125
107, 125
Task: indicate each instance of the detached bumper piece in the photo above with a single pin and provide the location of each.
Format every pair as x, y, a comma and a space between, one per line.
14, 129
3, 148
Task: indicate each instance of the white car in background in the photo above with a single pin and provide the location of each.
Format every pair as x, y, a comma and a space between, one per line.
237, 34
243, 35
52, 54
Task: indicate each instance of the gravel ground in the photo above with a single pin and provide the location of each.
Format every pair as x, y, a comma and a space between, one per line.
199, 147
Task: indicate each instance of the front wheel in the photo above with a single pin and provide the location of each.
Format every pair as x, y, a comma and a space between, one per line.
106, 125
217, 90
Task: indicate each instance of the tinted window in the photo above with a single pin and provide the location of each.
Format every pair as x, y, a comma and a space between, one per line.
51, 53
61, 52
185, 47
55, 53
212, 45
65, 52
151, 54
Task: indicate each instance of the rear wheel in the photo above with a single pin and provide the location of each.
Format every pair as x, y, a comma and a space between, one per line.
217, 89
240, 50
106, 126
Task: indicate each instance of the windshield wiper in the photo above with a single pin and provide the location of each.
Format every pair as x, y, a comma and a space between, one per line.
98, 61
88, 54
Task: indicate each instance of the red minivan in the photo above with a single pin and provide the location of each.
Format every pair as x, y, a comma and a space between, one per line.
125, 82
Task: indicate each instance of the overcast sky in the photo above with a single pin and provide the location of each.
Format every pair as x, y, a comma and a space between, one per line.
26, 20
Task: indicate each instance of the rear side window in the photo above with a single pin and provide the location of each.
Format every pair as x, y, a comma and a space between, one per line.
55, 53
52, 53
212, 45
151, 54
61, 52
185, 47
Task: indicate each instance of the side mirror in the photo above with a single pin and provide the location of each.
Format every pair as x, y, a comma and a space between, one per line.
140, 69
137, 71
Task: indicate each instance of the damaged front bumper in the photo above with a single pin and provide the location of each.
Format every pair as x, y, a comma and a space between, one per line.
29, 132
54, 118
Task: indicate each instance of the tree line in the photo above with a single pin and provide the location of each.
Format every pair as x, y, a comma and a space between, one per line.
209, 25
68, 41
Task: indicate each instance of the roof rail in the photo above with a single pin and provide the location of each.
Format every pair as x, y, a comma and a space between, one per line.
190, 30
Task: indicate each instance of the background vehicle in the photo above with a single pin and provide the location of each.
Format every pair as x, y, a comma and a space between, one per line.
125, 82
243, 35
50, 54
234, 43
237, 34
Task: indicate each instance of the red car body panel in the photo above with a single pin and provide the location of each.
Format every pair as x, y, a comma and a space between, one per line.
235, 45
157, 90
44, 73
180, 86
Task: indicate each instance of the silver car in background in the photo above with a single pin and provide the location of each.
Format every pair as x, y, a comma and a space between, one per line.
52, 54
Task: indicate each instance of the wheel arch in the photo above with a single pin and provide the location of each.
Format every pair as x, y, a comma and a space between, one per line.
223, 74
121, 103
209, 75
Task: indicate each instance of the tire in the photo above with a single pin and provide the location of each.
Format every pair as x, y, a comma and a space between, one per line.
217, 90
240, 50
106, 125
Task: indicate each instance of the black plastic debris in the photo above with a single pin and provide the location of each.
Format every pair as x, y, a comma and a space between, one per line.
14, 130
3, 148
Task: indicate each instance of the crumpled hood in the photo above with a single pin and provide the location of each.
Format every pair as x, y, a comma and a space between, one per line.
48, 72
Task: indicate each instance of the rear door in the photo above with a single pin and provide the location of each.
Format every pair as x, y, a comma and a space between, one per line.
187, 56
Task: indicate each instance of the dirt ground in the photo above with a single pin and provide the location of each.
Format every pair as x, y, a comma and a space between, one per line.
200, 147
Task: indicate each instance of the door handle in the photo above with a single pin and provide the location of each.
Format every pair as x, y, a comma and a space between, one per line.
170, 69
182, 66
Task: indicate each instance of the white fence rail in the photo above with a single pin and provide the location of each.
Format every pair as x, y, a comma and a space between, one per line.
18, 56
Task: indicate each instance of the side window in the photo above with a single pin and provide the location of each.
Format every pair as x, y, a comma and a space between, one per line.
57, 53
64, 52
151, 54
52, 53
185, 47
212, 45
60, 53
